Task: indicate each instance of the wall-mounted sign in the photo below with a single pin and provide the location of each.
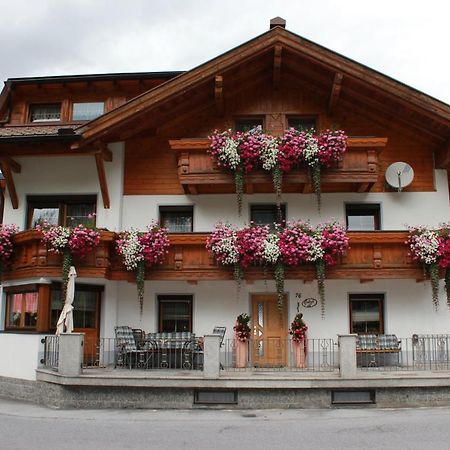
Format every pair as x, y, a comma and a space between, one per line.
309, 302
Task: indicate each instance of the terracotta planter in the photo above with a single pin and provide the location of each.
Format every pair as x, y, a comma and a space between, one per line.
298, 348
241, 353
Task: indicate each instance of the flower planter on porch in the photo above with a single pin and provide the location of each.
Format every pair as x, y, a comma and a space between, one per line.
241, 353
298, 349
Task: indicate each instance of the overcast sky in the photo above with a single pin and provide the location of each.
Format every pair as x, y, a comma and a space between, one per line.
407, 40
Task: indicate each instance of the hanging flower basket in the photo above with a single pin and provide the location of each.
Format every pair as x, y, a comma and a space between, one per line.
431, 247
7, 233
70, 242
142, 250
296, 244
243, 152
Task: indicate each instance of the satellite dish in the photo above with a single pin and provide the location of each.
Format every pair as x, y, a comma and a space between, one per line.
399, 175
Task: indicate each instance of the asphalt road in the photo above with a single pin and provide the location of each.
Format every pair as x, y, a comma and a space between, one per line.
24, 426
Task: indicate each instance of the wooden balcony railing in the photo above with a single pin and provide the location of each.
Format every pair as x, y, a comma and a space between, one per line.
358, 170
372, 255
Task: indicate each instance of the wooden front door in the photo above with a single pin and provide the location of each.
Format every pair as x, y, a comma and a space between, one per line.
269, 332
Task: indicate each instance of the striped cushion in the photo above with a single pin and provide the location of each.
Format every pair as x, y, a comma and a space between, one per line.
176, 340
125, 338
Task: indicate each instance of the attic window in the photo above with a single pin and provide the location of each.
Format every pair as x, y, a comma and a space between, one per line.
45, 112
246, 124
302, 123
87, 110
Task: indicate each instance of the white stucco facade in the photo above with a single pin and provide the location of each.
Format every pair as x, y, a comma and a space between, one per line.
408, 307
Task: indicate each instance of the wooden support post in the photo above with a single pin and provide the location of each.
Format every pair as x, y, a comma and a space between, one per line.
277, 66
8, 166
335, 92
218, 94
102, 179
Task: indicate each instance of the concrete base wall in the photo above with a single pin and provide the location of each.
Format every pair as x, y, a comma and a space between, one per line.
103, 397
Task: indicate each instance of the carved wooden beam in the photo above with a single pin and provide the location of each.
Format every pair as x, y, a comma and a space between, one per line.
335, 92
277, 66
218, 94
8, 166
100, 156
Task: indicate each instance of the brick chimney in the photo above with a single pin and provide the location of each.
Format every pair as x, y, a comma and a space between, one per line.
277, 22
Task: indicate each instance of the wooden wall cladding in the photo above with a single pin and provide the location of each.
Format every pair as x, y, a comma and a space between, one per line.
150, 168
147, 158
372, 255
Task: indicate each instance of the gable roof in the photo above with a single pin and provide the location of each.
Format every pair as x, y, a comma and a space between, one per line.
104, 126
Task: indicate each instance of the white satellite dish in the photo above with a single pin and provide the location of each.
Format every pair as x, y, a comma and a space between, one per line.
399, 175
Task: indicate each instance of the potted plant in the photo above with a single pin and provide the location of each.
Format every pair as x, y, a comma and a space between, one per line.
241, 338
298, 332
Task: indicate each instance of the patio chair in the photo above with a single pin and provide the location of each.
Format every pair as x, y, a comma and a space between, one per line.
128, 352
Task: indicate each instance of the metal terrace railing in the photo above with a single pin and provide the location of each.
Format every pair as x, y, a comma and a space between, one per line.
312, 355
50, 357
151, 354
420, 353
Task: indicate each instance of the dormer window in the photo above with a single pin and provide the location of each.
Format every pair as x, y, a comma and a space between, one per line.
87, 110
302, 123
246, 124
49, 112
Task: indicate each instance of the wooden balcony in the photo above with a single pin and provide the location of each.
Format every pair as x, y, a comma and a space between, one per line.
358, 171
372, 255
32, 259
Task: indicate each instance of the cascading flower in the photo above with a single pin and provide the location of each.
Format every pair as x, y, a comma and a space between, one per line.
296, 244
7, 233
140, 251
291, 149
70, 242
242, 328
244, 152
431, 247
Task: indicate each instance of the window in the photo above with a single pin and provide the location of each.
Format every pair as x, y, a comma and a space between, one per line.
177, 219
249, 123
87, 110
362, 216
45, 113
22, 309
267, 214
66, 211
85, 306
175, 313
302, 123
366, 313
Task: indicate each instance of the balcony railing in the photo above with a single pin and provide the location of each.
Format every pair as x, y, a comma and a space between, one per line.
372, 255
358, 170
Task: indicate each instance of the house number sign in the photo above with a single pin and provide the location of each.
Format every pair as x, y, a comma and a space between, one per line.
309, 302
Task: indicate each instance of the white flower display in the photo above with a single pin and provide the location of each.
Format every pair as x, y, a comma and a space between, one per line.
131, 250
230, 154
316, 251
311, 150
269, 153
271, 251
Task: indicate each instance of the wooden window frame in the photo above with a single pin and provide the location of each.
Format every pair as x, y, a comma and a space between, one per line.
72, 105
244, 118
37, 104
267, 205
364, 207
80, 287
166, 298
367, 297
41, 201
303, 117
173, 208
42, 321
